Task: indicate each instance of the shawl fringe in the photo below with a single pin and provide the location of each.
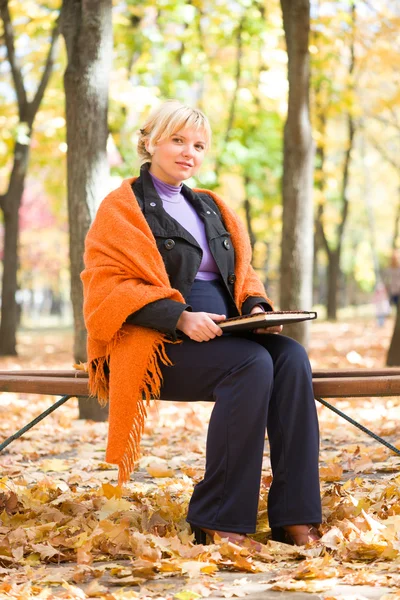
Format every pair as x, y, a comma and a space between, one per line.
98, 376
149, 390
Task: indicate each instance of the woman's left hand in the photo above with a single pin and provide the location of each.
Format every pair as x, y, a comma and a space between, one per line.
273, 329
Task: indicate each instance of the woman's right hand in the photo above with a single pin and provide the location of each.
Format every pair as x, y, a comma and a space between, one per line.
200, 326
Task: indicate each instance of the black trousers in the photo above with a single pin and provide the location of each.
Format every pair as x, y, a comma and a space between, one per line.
258, 382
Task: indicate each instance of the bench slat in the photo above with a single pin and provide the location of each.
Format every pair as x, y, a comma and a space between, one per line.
381, 372
317, 373
53, 373
53, 386
327, 387
357, 387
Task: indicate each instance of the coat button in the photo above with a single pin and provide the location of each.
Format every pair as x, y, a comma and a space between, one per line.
232, 278
153, 204
226, 244
169, 244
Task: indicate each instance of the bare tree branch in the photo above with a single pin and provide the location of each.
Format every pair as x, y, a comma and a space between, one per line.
13, 60
395, 116
238, 73
385, 121
385, 154
321, 231
351, 128
27, 110
232, 109
345, 180
48, 69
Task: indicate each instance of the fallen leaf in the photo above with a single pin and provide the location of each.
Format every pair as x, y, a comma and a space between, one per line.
95, 589
187, 595
112, 506
56, 465
159, 470
111, 491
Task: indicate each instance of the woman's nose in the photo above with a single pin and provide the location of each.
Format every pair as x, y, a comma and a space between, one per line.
187, 151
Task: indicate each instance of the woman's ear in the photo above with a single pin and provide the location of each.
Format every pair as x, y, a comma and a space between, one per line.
149, 147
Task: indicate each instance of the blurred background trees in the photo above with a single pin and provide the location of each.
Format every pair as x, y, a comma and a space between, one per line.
230, 60
28, 97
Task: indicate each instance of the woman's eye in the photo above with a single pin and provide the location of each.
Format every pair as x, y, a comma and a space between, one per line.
199, 147
176, 140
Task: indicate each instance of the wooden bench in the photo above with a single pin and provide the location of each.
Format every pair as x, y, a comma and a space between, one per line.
327, 383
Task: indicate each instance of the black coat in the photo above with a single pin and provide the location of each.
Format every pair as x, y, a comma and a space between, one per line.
182, 254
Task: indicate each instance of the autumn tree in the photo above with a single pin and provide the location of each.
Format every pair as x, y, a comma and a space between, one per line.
390, 153
87, 29
333, 248
389, 150
297, 225
27, 106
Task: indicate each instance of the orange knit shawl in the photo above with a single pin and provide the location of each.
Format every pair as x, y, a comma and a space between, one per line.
123, 272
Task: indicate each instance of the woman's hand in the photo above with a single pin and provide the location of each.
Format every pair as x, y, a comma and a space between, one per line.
200, 326
273, 329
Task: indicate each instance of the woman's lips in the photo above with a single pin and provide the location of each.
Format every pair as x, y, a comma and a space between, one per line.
186, 165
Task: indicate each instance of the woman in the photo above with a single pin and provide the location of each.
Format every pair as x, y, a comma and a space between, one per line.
164, 265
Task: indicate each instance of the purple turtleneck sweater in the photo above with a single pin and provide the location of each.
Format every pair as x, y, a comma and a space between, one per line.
176, 205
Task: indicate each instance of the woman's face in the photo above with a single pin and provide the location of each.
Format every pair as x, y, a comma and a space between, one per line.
180, 156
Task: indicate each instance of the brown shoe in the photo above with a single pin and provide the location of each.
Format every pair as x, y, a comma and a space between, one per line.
201, 534
296, 535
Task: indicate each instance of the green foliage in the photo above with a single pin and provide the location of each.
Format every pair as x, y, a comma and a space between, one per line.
189, 50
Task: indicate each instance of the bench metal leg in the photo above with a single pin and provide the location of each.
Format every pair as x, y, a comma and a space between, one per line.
321, 400
359, 426
39, 418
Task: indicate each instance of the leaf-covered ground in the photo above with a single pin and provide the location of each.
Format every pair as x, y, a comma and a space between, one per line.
67, 530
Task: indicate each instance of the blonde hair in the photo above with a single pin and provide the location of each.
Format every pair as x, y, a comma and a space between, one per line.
166, 120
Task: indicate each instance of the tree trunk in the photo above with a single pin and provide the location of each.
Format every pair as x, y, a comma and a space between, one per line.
396, 222
10, 205
297, 229
247, 210
333, 278
10, 202
393, 355
87, 29
334, 255
320, 183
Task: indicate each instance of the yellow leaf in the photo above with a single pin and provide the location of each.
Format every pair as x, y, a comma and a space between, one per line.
373, 524
55, 464
81, 366
332, 538
291, 585
159, 470
75, 591
112, 506
95, 589
187, 595
209, 569
111, 491
332, 472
